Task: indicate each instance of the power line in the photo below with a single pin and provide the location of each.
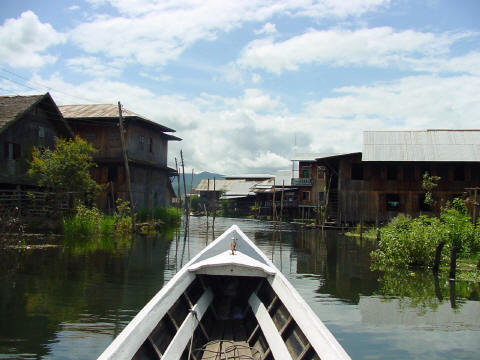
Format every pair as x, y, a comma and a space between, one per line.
48, 88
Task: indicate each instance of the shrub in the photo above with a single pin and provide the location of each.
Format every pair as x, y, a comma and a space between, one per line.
407, 242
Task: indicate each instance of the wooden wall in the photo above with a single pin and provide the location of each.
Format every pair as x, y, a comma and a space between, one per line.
369, 199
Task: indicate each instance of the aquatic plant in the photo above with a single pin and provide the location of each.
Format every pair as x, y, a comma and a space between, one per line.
406, 242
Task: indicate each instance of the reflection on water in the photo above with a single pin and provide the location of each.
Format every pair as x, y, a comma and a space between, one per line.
70, 302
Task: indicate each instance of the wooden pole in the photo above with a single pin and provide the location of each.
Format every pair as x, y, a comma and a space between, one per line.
214, 207
184, 186
438, 254
127, 168
179, 204
281, 201
453, 262
274, 207
475, 205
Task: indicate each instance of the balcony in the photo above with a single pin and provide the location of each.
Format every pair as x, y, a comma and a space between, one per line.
302, 182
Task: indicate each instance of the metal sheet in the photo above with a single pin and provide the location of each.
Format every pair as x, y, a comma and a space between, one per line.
429, 145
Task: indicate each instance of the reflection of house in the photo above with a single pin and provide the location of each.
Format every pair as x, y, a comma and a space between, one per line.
386, 178
25, 122
146, 145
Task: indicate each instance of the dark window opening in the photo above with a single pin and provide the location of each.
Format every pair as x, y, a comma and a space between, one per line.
459, 173
391, 173
321, 197
409, 173
150, 145
393, 202
357, 171
306, 195
12, 151
141, 144
112, 173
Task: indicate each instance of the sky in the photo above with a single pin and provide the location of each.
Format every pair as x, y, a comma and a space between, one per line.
248, 83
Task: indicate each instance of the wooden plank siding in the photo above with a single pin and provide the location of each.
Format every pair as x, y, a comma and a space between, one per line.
370, 197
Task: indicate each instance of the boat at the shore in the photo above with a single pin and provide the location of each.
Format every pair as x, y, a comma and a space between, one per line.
228, 302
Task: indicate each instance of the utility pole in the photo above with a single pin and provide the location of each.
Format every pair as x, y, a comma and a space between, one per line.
127, 168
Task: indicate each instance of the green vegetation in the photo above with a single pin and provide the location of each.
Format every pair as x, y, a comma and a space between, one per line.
92, 223
168, 216
195, 203
429, 183
66, 168
407, 242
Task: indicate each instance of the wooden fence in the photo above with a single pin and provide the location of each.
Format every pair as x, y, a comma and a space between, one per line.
32, 203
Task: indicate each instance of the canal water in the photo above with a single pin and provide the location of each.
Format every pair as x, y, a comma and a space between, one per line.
70, 302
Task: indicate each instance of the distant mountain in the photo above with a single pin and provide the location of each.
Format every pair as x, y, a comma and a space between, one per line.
196, 180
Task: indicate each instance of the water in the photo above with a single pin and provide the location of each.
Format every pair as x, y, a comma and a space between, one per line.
69, 303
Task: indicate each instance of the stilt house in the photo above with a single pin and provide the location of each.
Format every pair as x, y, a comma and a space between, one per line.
146, 146
386, 178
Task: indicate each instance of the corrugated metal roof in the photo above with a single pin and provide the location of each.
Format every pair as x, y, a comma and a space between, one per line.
308, 156
248, 176
103, 111
428, 145
231, 187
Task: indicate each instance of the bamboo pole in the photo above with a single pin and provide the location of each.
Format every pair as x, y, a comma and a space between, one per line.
214, 207
274, 209
281, 201
127, 168
179, 204
184, 186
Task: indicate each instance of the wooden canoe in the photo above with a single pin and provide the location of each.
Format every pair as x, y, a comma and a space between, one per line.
228, 302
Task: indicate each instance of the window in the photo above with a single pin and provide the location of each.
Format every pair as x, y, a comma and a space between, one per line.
112, 173
391, 173
12, 151
357, 171
41, 132
150, 145
321, 170
459, 173
306, 195
393, 202
321, 197
141, 144
408, 173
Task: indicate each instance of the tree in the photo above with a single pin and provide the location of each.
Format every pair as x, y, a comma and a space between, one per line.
66, 168
428, 184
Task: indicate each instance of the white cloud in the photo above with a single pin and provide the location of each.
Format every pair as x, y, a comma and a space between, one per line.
378, 47
267, 29
23, 41
93, 66
74, 8
154, 32
254, 131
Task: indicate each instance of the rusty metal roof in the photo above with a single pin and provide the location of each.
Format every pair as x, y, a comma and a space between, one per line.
427, 145
106, 111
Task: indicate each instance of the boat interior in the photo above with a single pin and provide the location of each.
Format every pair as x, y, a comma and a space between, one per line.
229, 318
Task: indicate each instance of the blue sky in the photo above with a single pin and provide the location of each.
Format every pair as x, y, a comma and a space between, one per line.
239, 80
